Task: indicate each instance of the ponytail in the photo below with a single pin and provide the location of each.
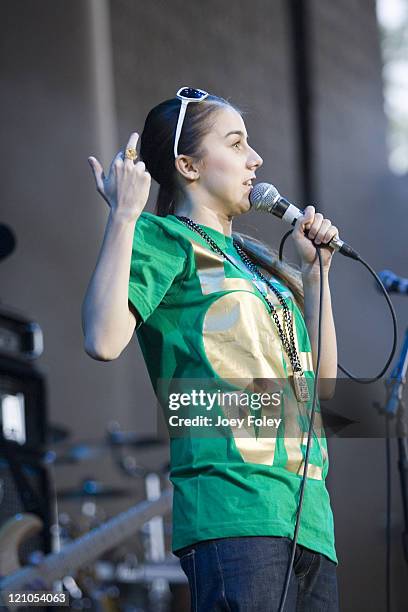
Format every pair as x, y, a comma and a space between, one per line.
165, 204
266, 258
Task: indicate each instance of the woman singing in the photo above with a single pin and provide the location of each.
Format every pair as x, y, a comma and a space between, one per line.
212, 305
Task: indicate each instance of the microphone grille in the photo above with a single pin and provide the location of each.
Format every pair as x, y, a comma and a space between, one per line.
263, 197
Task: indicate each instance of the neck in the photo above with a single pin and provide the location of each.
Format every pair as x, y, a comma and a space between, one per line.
205, 216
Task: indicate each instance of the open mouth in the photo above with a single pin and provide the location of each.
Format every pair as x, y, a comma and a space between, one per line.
248, 183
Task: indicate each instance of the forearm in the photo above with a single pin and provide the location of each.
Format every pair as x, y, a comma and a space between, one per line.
106, 320
328, 352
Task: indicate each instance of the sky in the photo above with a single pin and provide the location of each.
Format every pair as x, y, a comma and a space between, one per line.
392, 15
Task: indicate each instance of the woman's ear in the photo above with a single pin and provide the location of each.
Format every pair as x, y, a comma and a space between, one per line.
187, 167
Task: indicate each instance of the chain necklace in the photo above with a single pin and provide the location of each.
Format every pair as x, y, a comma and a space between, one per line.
286, 335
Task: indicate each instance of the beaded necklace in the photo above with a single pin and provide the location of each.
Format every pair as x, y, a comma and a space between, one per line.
286, 333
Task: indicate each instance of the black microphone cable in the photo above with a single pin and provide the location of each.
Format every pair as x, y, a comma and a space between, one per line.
353, 377
364, 381
388, 515
309, 438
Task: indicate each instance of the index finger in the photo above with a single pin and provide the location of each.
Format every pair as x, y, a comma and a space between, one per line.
132, 142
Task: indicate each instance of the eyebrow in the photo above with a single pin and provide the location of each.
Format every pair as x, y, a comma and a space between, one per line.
238, 132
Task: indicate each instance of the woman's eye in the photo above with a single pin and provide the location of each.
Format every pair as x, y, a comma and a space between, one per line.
237, 143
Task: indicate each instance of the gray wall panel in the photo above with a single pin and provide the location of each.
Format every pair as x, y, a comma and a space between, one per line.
240, 51
357, 191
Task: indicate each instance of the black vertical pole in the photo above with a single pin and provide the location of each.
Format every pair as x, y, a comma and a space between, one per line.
299, 22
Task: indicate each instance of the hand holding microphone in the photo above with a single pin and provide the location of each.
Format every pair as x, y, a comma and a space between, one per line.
312, 230
264, 197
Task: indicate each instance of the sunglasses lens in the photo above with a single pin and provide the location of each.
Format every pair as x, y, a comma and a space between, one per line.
193, 94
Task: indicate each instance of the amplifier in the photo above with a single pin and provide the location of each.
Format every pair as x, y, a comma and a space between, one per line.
20, 338
22, 404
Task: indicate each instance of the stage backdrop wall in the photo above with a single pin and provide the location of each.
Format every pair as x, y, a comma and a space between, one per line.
77, 78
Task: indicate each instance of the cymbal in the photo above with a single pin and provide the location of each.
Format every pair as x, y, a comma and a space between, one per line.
95, 490
131, 438
78, 453
91, 449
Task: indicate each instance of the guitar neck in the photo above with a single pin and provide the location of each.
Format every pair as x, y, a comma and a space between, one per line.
88, 547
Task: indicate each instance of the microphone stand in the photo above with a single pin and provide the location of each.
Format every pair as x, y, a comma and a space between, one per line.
395, 406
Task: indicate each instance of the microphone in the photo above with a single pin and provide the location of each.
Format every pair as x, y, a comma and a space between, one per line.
266, 198
398, 378
394, 283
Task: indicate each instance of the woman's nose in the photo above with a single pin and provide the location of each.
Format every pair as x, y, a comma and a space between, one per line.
255, 160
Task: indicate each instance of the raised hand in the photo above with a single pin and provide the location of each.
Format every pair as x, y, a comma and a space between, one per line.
126, 188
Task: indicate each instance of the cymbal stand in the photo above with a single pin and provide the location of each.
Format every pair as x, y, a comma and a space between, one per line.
395, 406
159, 591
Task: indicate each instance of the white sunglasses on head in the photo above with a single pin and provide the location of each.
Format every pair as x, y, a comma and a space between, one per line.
186, 95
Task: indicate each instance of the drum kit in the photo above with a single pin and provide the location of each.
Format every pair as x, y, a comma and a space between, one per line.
105, 561
140, 574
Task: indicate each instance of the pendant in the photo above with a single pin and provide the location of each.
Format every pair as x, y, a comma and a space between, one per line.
301, 387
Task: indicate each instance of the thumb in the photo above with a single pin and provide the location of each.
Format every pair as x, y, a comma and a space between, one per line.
98, 172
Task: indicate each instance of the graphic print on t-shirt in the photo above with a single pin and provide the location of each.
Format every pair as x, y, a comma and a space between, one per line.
241, 343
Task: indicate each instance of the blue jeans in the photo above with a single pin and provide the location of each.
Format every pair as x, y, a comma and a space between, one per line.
247, 574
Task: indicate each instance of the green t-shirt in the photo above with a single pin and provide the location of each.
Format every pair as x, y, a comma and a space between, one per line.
203, 318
